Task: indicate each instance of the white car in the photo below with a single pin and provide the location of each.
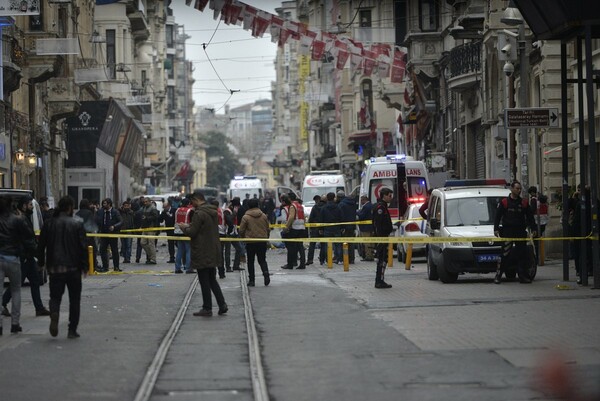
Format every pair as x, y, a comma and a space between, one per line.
466, 211
412, 226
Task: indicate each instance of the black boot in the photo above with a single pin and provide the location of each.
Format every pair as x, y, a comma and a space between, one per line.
498, 278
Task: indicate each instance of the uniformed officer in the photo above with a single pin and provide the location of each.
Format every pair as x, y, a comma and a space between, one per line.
382, 227
515, 215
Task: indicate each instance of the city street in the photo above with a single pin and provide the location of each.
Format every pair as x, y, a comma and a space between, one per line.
314, 334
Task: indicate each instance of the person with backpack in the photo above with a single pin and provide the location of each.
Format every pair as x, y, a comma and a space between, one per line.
514, 213
183, 215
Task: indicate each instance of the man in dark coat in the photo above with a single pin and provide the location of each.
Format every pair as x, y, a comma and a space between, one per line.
206, 252
330, 213
109, 222
62, 249
127, 217
366, 230
348, 208
382, 226
168, 216
314, 218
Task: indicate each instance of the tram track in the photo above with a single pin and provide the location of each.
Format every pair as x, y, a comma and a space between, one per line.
257, 378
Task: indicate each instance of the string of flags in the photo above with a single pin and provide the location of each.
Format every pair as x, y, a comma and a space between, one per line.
382, 59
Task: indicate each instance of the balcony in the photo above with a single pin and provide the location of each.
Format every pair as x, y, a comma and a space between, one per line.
464, 66
136, 12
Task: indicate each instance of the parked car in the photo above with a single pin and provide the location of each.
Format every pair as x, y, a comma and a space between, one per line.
412, 226
467, 209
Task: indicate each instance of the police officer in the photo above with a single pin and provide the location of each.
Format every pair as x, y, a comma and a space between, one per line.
515, 214
382, 227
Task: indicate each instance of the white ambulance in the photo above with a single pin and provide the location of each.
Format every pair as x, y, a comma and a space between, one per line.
383, 172
245, 187
320, 183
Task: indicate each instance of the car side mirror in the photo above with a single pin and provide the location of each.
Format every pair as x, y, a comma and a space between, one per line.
434, 224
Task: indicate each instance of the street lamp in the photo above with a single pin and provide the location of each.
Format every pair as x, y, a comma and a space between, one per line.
512, 16
20, 157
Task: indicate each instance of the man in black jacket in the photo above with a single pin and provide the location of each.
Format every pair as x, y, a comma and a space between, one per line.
515, 215
62, 249
127, 218
314, 218
168, 216
382, 226
15, 237
109, 222
29, 269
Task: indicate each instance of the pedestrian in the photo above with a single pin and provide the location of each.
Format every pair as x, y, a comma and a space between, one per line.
29, 268
168, 217
230, 215
314, 218
348, 209
382, 227
582, 228
47, 212
149, 219
88, 218
109, 222
15, 238
241, 211
138, 212
365, 229
255, 224
206, 252
222, 233
304, 234
183, 215
62, 249
539, 208
331, 217
268, 207
294, 229
514, 213
127, 218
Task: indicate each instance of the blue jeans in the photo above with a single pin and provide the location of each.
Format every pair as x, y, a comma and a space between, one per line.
183, 246
126, 248
10, 266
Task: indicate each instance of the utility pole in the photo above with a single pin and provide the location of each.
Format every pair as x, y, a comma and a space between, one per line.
524, 102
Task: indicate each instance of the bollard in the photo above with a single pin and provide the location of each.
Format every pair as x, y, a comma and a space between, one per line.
345, 255
390, 255
330, 255
408, 257
90, 259
541, 251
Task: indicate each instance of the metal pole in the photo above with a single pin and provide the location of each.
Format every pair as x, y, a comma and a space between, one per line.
524, 102
593, 156
512, 140
565, 160
583, 244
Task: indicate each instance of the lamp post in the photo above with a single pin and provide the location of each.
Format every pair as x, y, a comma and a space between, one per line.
512, 16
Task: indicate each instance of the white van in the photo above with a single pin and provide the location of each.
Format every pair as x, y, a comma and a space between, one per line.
320, 183
383, 172
245, 186
463, 209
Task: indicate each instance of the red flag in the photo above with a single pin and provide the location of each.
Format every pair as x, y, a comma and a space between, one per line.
318, 48
200, 5
249, 14
398, 69
284, 34
342, 58
368, 62
259, 27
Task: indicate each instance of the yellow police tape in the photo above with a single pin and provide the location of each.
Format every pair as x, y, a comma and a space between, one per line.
357, 240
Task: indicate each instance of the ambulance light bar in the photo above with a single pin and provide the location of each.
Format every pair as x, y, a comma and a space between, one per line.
475, 182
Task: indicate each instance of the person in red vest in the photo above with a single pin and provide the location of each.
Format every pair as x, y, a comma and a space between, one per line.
183, 215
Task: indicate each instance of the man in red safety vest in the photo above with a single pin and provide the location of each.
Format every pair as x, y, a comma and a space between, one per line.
183, 215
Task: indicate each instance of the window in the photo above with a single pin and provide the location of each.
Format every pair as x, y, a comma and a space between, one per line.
111, 53
364, 18
171, 70
428, 15
400, 21
169, 34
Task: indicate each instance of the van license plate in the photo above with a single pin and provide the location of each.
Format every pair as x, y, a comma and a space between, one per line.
488, 258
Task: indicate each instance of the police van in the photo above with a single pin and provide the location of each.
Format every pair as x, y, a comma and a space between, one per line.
383, 172
466, 209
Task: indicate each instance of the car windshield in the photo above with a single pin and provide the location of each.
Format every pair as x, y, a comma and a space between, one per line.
474, 211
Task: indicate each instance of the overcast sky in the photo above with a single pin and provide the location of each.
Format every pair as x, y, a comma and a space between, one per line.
242, 62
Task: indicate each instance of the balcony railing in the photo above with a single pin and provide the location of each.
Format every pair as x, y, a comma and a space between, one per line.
465, 59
